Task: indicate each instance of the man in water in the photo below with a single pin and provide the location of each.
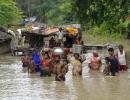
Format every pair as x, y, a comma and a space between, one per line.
25, 59
95, 62
113, 62
122, 59
61, 70
31, 66
56, 61
46, 61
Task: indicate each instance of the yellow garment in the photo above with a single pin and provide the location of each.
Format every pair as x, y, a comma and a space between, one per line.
73, 31
75, 62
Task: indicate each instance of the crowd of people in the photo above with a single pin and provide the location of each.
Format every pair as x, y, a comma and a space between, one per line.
47, 63
114, 62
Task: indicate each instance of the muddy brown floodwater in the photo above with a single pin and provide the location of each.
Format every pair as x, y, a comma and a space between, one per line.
17, 84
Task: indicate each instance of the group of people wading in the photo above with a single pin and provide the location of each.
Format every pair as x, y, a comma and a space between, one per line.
48, 63
114, 62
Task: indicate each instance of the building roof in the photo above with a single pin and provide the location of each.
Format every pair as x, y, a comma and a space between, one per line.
40, 29
44, 29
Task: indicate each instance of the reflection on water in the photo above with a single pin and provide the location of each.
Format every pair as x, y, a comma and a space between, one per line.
16, 84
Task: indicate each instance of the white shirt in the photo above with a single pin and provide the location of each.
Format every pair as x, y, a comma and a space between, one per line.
60, 35
121, 58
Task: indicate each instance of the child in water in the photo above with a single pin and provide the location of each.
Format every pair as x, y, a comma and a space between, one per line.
106, 70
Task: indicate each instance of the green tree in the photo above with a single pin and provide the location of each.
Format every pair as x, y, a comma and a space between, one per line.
97, 12
54, 11
9, 13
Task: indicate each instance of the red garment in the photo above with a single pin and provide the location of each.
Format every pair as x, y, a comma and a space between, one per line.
123, 68
45, 64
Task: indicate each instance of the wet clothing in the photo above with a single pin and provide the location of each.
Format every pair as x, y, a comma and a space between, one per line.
77, 67
123, 67
37, 61
45, 64
45, 68
113, 65
75, 62
122, 60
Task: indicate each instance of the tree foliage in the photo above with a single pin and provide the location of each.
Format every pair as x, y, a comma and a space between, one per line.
98, 12
104, 14
54, 11
9, 12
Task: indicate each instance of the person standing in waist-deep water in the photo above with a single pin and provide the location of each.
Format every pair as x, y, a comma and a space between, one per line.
106, 70
31, 66
25, 60
113, 62
61, 70
37, 60
95, 62
122, 59
46, 62
77, 65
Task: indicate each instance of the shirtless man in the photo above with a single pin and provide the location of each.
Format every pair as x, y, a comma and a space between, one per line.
31, 66
95, 62
61, 70
56, 62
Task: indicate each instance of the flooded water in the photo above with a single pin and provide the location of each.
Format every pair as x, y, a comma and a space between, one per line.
17, 84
